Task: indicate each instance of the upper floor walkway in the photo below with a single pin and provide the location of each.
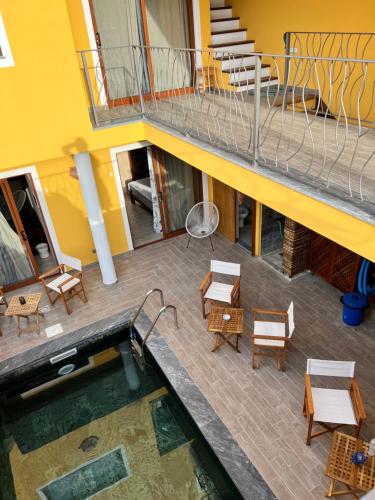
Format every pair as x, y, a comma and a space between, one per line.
306, 121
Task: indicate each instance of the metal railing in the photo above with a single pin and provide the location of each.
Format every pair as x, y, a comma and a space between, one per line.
308, 117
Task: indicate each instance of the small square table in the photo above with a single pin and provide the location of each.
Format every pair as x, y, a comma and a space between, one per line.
30, 308
357, 478
223, 329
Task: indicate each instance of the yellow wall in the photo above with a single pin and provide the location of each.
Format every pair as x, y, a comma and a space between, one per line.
348, 231
67, 209
43, 103
268, 20
45, 118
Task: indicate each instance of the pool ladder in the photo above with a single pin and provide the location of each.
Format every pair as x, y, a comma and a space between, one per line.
137, 348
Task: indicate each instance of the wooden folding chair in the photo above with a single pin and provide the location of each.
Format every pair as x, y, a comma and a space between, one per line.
332, 408
67, 285
269, 337
221, 293
3, 304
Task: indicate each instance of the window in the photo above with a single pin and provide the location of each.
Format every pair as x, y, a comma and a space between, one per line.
6, 58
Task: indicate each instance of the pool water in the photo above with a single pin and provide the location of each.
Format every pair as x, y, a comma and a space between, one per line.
111, 431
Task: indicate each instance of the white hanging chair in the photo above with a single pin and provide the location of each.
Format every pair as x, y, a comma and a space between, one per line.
202, 221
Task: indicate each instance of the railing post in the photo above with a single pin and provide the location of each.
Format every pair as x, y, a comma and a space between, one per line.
141, 101
89, 89
286, 68
256, 116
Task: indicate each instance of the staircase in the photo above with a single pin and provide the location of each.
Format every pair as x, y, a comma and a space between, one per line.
227, 36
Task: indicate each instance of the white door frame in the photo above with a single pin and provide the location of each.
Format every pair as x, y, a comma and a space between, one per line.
32, 171
120, 192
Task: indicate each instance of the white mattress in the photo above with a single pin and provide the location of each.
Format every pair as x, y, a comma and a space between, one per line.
142, 186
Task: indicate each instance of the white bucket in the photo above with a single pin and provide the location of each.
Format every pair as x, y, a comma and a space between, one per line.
42, 250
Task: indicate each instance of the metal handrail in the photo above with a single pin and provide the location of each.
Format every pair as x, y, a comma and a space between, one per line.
310, 117
162, 310
229, 53
150, 292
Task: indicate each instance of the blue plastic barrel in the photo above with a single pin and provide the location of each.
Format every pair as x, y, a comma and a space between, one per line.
354, 305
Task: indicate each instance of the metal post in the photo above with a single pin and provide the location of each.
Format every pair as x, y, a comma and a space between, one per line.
138, 80
89, 89
256, 117
286, 68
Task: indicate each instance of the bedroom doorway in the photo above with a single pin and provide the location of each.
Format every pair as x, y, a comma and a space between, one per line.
159, 190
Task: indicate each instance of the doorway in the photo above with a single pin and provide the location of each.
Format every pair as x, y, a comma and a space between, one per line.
26, 250
119, 24
246, 211
273, 224
159, 190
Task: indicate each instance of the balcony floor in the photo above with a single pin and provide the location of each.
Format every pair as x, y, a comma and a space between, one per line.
324, 153
262, 408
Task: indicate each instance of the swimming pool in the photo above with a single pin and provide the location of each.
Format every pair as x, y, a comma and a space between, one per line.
108, 429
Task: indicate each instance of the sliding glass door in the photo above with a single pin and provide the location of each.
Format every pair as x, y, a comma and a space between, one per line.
168, 28
165, 24
179, 186
16, 262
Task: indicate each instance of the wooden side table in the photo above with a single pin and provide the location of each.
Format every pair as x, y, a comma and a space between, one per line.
357, 478
223, 329
30, 308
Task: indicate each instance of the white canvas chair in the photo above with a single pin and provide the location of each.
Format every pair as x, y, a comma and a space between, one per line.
270, 337
68, 284
332, 408
214, 291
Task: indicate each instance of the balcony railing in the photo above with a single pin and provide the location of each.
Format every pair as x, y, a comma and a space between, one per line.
308, 117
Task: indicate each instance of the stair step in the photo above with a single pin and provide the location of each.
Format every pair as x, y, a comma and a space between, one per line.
232, 56
225, 19
228, 36
245, 68
225, 32
249, 84
217, 13
229, 44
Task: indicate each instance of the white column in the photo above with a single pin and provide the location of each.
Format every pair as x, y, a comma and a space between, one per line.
95, 215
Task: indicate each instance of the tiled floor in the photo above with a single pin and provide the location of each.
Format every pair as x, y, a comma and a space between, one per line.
262, 408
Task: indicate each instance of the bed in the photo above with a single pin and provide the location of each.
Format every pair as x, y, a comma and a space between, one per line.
140, 191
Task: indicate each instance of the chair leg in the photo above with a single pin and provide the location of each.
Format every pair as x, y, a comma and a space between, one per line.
309, 429
203, 309
68, 310
187, 246
212, 246
84, 292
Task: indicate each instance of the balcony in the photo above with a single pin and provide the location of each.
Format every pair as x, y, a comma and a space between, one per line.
305, 121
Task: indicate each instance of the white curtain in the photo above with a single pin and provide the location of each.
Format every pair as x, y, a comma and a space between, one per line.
117, 23
179, 185
14, 265
154, 195
167, 22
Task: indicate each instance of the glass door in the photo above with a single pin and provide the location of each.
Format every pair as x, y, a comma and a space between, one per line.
17, 264
245, 221
164, 24
167, 27
180, 187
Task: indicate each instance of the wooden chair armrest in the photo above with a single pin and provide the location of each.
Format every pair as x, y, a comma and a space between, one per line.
270, 312
236, 287
308, 393
357, 402
51, 272
203, 287
269, 337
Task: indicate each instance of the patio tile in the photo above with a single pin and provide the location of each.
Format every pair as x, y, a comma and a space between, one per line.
262, 408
